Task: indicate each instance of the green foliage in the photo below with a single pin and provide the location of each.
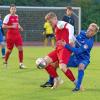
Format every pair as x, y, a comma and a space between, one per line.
90, 12
90, 8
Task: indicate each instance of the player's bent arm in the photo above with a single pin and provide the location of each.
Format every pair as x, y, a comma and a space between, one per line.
7, 26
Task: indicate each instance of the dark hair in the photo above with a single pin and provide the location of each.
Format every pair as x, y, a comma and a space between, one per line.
69, 7
12, 5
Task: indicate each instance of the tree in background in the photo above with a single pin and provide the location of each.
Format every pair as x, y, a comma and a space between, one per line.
90, 8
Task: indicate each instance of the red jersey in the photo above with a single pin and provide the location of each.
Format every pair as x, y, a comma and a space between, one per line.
64, 31
12, 20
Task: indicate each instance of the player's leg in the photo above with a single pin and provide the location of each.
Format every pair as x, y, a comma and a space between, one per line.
64, 57
50, 81
52, 40
55, 81
46, 40
2, 45
20, 55
81, 69
73, 62
10, 45
3, 49
52, 57
19, 45
67, 72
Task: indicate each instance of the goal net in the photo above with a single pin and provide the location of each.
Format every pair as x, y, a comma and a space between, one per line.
32, 19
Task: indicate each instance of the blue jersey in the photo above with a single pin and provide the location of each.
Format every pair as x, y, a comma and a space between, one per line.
82, 47
0, 25
1, 31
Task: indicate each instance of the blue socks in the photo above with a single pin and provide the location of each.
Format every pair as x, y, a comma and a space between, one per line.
79, 81
51, 80
80, 78
3, 51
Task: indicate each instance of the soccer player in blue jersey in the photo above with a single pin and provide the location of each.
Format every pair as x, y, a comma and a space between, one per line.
81, 57
2, 43
82, 49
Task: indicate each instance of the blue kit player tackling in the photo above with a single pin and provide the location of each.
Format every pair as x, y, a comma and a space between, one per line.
81, 56
81, 53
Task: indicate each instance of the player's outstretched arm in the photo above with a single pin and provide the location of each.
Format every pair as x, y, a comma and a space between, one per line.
79, 50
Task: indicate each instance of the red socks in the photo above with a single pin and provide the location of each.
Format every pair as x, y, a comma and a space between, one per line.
20, 56
51, 71
7, 56
70, 75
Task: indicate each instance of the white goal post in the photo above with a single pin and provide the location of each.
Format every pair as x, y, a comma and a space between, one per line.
32, 19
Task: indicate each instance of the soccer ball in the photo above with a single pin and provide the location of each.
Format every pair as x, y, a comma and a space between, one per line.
41, 63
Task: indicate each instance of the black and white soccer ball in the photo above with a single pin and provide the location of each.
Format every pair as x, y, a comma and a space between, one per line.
40, 63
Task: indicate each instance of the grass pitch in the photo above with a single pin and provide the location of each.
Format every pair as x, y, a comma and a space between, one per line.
18, 84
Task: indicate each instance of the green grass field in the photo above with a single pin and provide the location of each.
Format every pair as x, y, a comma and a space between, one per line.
17, 84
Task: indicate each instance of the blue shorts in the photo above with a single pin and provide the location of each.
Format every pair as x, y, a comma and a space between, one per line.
74, 62
1, 38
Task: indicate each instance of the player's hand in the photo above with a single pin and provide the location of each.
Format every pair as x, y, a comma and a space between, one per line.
61, 42
72, 44
21, 29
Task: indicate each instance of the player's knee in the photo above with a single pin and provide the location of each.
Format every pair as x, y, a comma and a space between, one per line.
9, 50
81, 66
63, 67
20, 48
55, 64
48, 60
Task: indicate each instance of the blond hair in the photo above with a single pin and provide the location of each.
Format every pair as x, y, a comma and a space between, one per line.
50, 15
96, 26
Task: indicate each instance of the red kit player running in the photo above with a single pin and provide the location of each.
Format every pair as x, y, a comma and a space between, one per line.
13, 37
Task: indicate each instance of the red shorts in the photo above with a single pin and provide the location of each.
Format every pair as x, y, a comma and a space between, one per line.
17, 41
61, 55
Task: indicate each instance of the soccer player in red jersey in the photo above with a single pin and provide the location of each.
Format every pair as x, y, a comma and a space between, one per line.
63, 32
13, 36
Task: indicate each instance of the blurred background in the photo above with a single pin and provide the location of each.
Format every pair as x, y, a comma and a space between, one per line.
32, 12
